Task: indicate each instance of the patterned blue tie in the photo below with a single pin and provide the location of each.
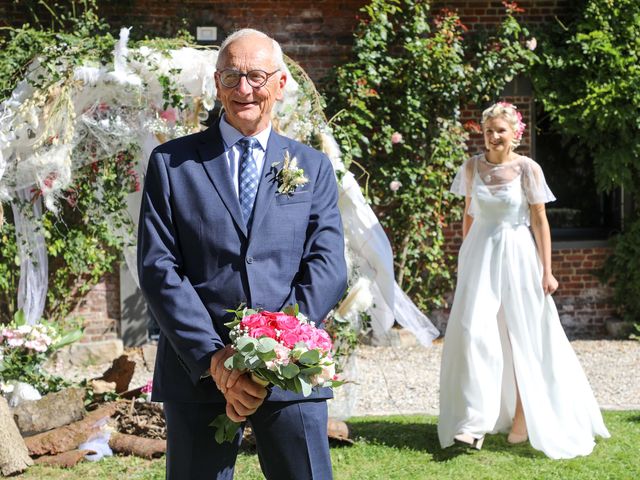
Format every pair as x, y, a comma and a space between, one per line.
248, 178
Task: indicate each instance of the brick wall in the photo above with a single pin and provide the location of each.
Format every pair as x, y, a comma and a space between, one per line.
100, 310
317, 34
584, 304
476, 14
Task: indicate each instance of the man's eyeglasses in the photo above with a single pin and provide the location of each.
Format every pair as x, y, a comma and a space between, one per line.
255, 78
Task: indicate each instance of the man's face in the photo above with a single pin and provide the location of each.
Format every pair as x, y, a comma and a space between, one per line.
248, 108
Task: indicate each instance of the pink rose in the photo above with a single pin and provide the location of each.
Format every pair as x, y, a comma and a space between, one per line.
286, 322
270, 317
263, 332
289, 338
322, 340
396, 137
254, 321
395, 185
305, 332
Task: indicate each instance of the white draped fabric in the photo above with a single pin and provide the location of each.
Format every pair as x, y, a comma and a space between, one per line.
32, 287
503, 328
374, 260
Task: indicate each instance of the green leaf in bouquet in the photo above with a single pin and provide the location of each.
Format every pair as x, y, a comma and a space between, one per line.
229, 362
238, 312
297, 385
310, 357
226, 429
298, 350
292, 310
237, 361
231, 325
266, 356
305, 385
246, 344
253, 362
311, 371
290, 370
268, 375
266, 344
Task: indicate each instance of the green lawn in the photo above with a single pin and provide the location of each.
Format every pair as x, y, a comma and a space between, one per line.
406, 447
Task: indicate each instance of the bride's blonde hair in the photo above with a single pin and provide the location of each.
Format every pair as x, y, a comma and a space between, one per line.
511, 114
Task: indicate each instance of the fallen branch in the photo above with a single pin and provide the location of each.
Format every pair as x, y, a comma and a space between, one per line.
138, 446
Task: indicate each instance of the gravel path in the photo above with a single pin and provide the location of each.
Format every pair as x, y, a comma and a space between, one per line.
404, 380
394, 381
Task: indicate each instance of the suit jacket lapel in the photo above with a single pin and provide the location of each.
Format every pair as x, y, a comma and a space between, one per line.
268, 184
211, 149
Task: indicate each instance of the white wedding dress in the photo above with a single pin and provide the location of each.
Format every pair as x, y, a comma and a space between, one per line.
503, 327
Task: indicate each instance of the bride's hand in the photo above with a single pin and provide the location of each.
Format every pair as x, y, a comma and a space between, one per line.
549, 283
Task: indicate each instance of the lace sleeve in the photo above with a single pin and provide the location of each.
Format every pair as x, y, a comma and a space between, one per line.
534, 184
463, 180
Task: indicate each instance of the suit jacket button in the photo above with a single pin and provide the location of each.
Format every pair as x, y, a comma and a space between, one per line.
249, 259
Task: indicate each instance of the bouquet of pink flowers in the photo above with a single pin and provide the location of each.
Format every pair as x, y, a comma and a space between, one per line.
279, 348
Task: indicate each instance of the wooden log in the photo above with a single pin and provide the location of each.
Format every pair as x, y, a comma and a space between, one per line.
14, 456
63, 439
65, 460
137, 446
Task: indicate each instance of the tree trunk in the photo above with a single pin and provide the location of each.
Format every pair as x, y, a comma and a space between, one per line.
14, 456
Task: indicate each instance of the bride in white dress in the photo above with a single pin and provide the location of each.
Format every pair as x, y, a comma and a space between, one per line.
507, 365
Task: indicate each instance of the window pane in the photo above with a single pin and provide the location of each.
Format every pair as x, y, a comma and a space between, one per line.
579, 212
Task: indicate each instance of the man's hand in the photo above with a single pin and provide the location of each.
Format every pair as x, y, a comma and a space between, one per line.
224, 378
244, 398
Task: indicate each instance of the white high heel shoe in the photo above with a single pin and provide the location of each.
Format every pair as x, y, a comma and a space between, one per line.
469, 440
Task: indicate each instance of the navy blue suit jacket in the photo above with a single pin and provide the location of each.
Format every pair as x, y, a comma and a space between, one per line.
196, 258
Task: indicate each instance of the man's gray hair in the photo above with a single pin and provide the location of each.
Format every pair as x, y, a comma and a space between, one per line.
278, 58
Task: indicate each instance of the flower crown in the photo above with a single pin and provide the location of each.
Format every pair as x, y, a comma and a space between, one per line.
520, 126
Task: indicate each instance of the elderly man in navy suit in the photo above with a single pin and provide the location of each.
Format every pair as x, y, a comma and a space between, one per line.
215, 232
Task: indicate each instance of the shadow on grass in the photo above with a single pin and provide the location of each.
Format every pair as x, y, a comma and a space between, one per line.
423, 437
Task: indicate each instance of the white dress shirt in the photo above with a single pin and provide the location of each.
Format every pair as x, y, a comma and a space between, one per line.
233, 151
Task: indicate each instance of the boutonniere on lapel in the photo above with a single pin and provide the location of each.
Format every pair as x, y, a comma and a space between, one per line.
289, 176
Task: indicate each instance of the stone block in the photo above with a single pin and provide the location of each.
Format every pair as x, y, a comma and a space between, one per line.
92, 353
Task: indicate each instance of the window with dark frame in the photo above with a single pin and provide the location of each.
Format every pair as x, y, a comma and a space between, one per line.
580, 211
